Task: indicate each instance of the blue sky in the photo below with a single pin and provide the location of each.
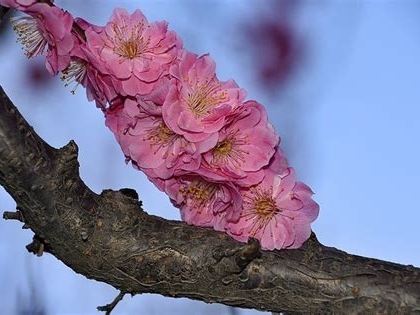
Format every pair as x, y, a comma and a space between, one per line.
358, 102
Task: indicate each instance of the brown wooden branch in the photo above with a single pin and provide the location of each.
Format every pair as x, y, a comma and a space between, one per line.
109, 238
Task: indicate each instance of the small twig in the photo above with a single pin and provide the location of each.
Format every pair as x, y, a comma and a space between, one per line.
249, 252
109, 307
231, 262
13, 215
129, 192
37, 246
132, 194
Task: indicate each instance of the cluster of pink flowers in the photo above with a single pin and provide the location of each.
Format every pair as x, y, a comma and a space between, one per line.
197, 138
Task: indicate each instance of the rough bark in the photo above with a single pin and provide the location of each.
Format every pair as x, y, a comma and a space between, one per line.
109, 238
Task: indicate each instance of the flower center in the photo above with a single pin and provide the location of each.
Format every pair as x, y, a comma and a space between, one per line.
206, 96
265, 206
230, 151
163, 133
198, 194
74, 73
130, 44
160, 136
259, 208
223, 148
129, 49
30, 36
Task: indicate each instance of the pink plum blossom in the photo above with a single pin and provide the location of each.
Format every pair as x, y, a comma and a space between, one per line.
20, 5
86, 69
147, 141
278, 163
277, 212
204, 203
197, 105
46, 31
137, 54
245, 145
119, 119
196, 138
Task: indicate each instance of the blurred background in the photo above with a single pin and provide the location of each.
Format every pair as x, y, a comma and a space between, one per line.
339, 80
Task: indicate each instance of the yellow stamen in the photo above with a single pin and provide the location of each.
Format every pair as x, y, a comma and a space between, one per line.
205, 97
199, 194
260, 208
30, 36
74, 73
160, 136
132, 46
229, 151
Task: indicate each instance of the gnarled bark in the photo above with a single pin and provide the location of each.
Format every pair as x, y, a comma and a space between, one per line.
109, 238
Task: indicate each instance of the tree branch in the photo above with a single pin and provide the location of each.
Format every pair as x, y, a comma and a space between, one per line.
109, 238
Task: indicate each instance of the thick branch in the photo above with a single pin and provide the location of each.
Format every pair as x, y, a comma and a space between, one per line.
109, 238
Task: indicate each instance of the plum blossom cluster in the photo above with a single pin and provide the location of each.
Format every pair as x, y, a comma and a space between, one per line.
197, 138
